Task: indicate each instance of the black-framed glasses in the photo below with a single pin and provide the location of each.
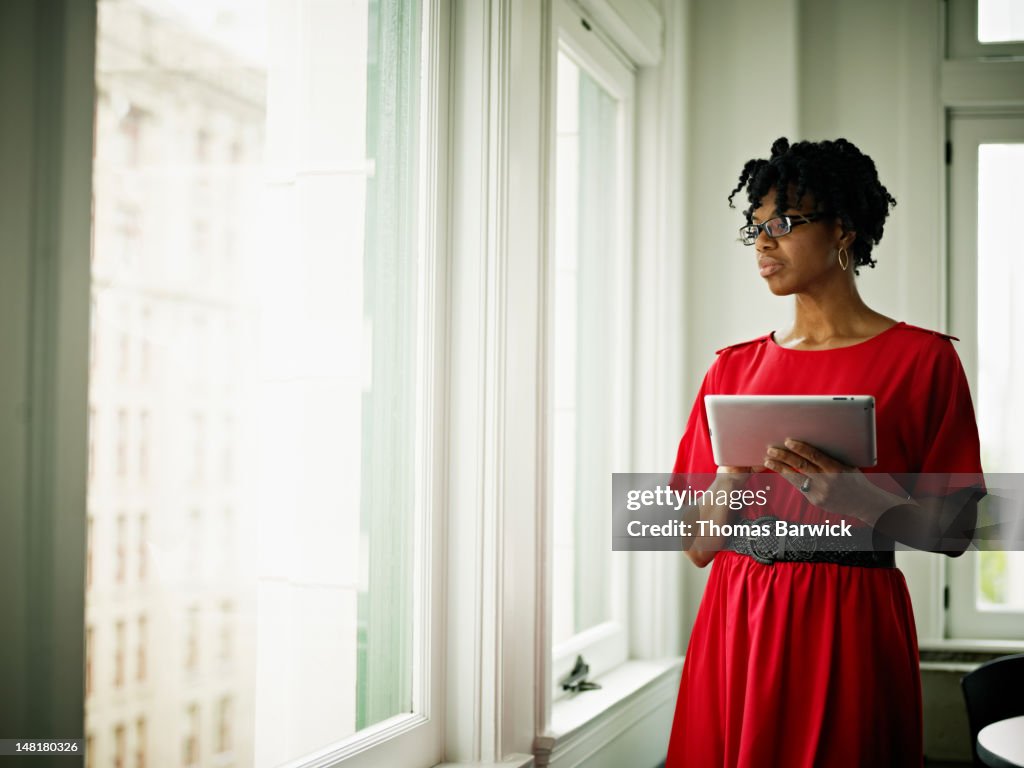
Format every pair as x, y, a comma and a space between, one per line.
777, 227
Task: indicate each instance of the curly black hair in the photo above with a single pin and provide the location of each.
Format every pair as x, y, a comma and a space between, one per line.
842, 180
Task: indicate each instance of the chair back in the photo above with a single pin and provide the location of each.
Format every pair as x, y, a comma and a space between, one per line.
994, 691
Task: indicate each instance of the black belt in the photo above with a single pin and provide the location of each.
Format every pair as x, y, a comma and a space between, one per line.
773, 548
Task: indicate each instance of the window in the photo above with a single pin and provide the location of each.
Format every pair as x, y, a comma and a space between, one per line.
131, 132
122, 440
228, 565
119, 746
140, 652
128, 233
192, 639
145, 347
987, 587
224, 715
226, 640
1000, 21
591, 333
143, 547
140, 743
198, 432
984, 28
190, 743
119, 654
194, 560
124, 346
227, 452
121, 553
323, 232
274, 284
144, 439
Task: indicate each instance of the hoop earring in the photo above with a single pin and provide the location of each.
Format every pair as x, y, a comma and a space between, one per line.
844, 259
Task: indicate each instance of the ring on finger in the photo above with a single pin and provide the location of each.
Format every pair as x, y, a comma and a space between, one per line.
805, 486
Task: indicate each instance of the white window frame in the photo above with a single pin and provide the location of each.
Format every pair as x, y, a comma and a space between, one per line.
969, 130
417, 739
974, 79
962, 34
490, 696
47, 597
605, 645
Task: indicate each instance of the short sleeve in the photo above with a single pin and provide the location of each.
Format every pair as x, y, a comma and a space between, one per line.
951, 450
694, 455
951, 433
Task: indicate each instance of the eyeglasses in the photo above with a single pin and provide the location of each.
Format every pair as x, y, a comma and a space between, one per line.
777, 227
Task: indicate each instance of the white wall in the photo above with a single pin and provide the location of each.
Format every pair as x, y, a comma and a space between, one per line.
740, 52
869, 71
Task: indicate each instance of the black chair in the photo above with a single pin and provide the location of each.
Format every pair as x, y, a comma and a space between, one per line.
994, 691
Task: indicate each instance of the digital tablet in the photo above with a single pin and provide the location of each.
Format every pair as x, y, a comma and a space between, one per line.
743, 427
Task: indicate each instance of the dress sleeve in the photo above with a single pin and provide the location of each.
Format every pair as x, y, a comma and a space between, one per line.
951, 450
951, 433
694, 455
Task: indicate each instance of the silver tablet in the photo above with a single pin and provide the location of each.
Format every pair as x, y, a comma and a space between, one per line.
744, 426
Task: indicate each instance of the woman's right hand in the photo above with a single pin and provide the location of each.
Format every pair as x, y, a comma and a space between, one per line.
702, 549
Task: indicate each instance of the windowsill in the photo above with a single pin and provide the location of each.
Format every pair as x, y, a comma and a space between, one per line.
512, 761
570, 714
628, 693
969, 645
963, 655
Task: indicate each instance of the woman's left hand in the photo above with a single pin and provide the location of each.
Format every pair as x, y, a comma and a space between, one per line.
824, 481
943, 524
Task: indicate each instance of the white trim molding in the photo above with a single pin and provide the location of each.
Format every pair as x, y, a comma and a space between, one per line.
499, 199
634, 25
626, 722
969, 83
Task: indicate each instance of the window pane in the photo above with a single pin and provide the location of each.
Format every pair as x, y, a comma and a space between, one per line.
1000, 339
587, 233
1000, 21
254, 374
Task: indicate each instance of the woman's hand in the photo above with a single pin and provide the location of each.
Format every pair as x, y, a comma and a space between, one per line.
826, 482
942, 524
702, 549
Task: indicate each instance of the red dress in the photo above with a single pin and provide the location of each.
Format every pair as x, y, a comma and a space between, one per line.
799, 664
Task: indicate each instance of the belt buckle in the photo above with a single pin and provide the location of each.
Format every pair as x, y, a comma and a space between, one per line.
765, 549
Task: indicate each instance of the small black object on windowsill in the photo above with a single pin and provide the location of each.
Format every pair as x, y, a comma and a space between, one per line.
576, 680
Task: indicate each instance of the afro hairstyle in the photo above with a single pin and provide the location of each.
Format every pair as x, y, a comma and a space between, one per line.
840, 178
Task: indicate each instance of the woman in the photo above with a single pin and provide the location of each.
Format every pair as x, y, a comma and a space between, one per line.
811, 659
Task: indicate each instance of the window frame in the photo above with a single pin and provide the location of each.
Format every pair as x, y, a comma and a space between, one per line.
968, 129
606, 645
58, 465
416, 739
974, 79
488, 648
962, 34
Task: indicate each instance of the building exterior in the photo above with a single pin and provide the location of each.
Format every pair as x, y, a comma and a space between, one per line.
180, 125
